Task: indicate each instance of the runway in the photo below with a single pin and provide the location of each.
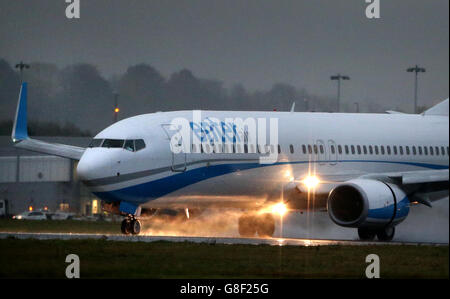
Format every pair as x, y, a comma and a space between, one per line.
207, 240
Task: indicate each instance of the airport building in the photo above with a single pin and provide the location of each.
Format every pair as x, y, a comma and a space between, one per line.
35, 181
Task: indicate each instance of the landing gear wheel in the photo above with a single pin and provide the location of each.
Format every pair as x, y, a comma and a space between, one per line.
247, 226
266, 225
386, 234
125, 227
135, 227
366, 234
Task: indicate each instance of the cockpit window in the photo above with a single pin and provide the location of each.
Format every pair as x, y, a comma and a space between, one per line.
113, 143
139, 144
129, 145
96, 143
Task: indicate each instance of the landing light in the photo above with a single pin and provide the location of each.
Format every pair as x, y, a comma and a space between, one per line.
311, 182
279, 208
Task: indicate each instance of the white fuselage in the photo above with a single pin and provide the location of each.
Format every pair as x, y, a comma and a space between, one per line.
156, 176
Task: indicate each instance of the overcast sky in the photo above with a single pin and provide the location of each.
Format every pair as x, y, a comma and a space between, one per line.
257, 43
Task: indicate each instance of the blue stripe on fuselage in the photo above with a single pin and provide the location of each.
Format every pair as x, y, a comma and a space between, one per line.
144, 192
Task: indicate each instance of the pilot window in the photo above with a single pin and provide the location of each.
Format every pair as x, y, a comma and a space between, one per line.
129, 145
113, 143
96, 143
139, 144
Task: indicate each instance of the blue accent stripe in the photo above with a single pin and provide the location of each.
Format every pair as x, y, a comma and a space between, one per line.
386, 212
160, 187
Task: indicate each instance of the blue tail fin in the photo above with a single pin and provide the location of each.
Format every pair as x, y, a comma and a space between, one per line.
20, 130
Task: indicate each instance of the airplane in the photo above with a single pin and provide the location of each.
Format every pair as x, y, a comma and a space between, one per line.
364, 170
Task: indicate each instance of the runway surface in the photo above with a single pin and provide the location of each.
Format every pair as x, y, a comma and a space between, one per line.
207, 240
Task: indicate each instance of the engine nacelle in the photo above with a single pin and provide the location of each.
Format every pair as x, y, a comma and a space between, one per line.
367, 203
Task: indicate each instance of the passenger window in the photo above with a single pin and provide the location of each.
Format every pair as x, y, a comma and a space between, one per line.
315, 149
407, 150
96, 143
442, 151
414, 150
376, 149
291, 148
395, 150
425, 150
346, 150
321, 149
365, 150
359, 149
279, 149
401, 150
382, 149
139, 144
353, 149
339, 149
431, 151
304, 149
437, 150
129, 145
420, 150
370, 150
309, 149
113, 143
332, 149
388, 150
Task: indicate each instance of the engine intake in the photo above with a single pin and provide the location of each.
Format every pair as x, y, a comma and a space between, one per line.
363, 202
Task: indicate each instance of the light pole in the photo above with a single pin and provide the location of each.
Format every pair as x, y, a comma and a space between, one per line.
22, 66
416, 69
339, 77
116, 106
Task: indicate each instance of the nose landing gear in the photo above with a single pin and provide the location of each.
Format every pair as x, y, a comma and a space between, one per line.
130, 225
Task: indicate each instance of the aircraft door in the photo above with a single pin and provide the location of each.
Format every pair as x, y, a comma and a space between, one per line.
175, 140
332, 152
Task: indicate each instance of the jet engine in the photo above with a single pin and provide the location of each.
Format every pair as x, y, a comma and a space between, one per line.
367, 203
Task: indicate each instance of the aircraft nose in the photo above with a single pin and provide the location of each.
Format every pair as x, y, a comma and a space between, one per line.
93, 165
83, 168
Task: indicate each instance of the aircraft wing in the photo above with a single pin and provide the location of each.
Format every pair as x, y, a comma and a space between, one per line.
412, 177
422, 186
20, 134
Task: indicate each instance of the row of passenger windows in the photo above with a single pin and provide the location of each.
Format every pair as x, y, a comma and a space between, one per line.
132, 145
320, 148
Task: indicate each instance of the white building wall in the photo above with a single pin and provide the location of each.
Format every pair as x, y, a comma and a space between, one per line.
8, 169
44, 169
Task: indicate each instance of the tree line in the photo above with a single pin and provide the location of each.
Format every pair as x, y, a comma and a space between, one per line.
80, 96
